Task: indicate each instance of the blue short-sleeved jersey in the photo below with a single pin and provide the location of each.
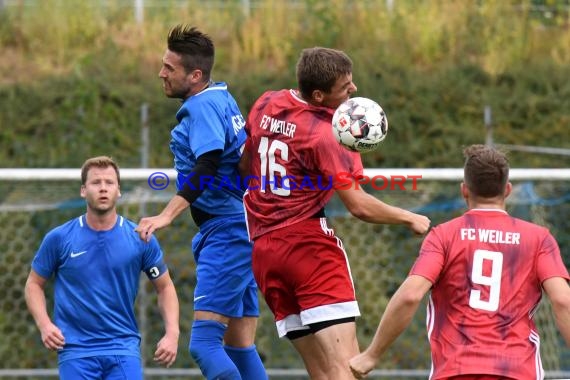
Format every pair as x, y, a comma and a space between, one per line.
211, 120
96, 282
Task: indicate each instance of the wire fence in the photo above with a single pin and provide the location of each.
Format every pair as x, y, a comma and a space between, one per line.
380, 258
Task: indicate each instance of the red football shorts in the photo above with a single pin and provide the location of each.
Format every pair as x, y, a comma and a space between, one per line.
304, 275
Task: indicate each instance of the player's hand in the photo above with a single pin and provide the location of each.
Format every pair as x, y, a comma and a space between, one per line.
52, 337
361, 365
147, 226
166, 349
419, 224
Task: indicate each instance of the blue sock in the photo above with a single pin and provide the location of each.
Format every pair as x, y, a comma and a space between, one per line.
248, 362
207, 350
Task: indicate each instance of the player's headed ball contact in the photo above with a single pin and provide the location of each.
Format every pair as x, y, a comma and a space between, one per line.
360, 124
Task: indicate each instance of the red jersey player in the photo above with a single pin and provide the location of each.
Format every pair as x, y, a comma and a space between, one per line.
486, 271
298, 262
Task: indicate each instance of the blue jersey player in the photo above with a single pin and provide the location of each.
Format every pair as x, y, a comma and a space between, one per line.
96, 260
206, 145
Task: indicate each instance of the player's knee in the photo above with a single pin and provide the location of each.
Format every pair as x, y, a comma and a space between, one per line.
207, 350
206, 337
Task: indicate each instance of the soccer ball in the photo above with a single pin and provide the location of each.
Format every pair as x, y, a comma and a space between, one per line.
360, 124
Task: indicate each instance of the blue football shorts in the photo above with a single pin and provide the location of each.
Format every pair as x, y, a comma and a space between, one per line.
104, 367
224, 277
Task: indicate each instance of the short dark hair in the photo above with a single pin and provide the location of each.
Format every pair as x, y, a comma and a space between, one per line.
486, 170
318, 68
196, 48
99, 162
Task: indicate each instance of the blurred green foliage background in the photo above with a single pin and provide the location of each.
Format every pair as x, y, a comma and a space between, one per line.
74, 74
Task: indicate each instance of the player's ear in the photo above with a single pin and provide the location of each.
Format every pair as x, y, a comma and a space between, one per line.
464, 190
508, 189
196, 76
318, 96
82, 191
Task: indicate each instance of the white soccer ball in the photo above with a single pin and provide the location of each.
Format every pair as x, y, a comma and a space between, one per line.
360, 124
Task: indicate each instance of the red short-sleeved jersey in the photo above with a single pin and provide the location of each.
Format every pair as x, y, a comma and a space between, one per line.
487, 269
294, 161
